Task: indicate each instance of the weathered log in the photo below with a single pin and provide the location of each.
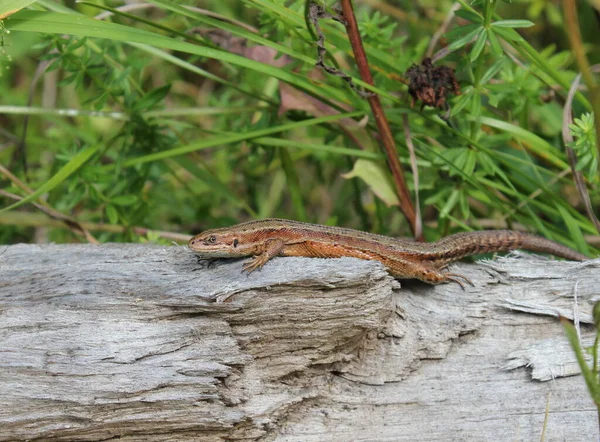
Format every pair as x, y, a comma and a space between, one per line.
144, 343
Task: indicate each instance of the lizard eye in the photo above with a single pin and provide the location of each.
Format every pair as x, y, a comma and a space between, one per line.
212, 239
235, 242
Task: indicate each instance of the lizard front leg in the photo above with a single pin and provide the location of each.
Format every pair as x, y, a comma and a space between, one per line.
271, 248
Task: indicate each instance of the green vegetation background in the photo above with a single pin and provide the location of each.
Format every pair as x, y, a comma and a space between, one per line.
177, 120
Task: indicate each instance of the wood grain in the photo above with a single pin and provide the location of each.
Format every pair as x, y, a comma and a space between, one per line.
143, 343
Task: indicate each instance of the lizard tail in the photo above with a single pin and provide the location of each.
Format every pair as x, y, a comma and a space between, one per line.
455, 247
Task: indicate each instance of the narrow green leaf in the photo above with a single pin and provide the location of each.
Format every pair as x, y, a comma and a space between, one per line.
203, 175
494, 42
459, 31
590, 380
58, 23
67, 170
472, 16
318, 148
293, 184
508, 34
151, 98
124, 200
233, 29
476, 105
492, 71
479, 45
574, 231
112, 214
236, 137
449, 205
535, 143
513, 24
9, 7
272, 201
462, 101
464, 40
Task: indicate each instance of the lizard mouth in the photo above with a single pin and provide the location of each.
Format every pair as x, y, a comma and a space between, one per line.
204, 249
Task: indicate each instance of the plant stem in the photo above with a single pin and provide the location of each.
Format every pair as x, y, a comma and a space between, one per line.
387, 139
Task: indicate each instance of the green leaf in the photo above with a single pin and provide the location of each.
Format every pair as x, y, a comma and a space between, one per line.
151, 98
124, 200
494, 42
236, 137
459, 31
233, 29
293, 183
9, 7
574, 231
58, 23
508, 34
476, 105
492, 71
479, 45
318, 148
449, 205
534, 142
472, 16
67, 170
464, 40
588, 375
201, 174
112, 214
461, 102
376, 178
513, 24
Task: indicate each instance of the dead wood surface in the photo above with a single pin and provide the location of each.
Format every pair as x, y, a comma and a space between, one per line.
143, 343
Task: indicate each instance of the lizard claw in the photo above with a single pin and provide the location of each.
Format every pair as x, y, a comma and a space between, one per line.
254, 263
456, 277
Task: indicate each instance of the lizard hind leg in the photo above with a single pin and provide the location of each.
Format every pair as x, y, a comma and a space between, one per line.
425, 273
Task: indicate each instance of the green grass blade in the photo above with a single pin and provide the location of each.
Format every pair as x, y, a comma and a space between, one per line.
574, 231
537, 144
318, 148
293, 184
235, 30
67, 170
234, 138
57, 23
590, 380
216, 186
8, 7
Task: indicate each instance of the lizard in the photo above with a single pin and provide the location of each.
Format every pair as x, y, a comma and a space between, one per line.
404, 259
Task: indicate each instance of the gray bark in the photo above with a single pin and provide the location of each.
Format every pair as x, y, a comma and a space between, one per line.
144, 343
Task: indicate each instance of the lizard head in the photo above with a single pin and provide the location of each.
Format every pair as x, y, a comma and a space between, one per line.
219, 243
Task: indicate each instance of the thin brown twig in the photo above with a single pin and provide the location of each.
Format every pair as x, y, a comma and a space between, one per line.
35, 219
406, 204
71, 223
442, 29
415, 171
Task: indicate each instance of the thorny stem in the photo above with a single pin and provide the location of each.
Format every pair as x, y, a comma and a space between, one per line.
572, 24
406, 204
